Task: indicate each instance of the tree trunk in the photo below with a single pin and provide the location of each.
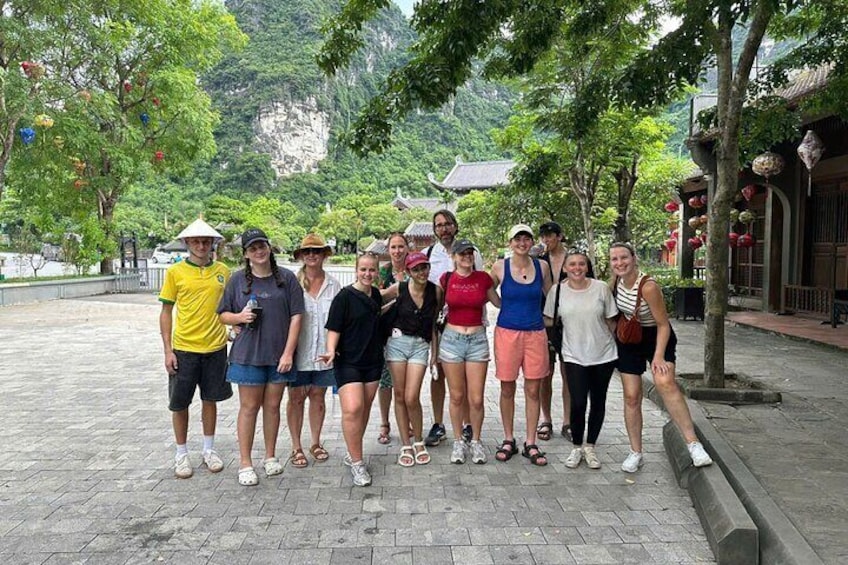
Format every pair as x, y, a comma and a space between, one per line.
626, 179
107, 211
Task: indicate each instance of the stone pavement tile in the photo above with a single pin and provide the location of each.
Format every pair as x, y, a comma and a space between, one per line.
669, 516
552, 554
601, 518
111, 558
431, 555
524, 536
351, 556
480, 519
471, 555
599, 534
409, 506
358, 521
391, 556
45, 543
635, 534
224, 541
24, 558
591, 554
636, 517
238, 557
671, 533
272, 538
337, 538
562, 535
301, 539
374, 537
511, 554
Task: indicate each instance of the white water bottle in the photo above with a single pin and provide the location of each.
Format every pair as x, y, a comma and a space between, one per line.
253, 305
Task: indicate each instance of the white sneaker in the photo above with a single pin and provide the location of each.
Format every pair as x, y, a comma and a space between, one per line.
360, 474
346, 460
632, 463
182, 466
478, 454
574, 458
591, 457
213, 461
700, 457
459, 451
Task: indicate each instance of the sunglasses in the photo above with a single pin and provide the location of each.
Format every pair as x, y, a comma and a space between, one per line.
312, 251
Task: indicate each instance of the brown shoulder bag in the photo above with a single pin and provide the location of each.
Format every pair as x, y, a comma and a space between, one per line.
629, 330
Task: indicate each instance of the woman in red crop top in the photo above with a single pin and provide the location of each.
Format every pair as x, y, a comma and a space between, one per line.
464, 347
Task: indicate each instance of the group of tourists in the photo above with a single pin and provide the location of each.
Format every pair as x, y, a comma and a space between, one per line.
378, 336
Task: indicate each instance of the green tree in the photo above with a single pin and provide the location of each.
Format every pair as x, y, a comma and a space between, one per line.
140, 110
443, 59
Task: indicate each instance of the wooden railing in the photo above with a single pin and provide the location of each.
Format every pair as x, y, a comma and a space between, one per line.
808, 299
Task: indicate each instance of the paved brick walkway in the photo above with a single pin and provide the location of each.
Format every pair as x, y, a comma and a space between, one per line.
86, 474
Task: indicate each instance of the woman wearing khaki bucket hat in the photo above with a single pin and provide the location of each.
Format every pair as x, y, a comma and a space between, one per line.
313, 376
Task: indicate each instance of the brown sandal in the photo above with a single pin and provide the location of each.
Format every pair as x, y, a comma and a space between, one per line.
319, 453
298, 459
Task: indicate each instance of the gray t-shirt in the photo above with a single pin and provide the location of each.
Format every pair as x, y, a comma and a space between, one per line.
263, 345
587, 340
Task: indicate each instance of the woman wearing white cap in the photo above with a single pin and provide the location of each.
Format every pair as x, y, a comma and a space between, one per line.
521, 342
268, 303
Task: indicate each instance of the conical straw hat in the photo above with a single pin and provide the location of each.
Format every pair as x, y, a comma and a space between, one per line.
199, 228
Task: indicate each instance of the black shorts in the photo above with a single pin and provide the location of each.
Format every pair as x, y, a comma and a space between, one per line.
205, 370
634, 358
345, 374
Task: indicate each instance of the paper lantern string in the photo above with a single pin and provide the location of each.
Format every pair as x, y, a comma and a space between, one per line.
810, 151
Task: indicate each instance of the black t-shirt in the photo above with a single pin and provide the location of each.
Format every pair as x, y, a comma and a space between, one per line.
355, 316
412, 320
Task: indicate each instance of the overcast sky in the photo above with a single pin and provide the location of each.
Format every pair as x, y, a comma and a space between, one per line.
405, 6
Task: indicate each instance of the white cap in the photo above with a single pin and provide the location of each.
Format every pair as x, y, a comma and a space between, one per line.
199, 228
520, 228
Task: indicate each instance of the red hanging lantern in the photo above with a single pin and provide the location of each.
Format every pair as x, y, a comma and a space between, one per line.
749, 191
704, 237
733, 239
675, 234
695, 243
671, 206
159, 155
156, 101
746, 240
671, 244
127, 86
695, 202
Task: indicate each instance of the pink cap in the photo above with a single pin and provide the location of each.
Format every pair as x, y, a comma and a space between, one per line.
415, 259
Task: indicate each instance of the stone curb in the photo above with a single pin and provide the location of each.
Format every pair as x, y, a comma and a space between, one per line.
779, 540
787, 336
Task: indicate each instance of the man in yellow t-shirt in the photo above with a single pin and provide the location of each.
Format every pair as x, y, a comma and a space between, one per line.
196, 345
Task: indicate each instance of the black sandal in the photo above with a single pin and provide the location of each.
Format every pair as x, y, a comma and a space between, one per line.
506, 450
538, 458
544, 431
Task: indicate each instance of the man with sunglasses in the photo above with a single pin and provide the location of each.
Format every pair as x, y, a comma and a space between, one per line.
445, 228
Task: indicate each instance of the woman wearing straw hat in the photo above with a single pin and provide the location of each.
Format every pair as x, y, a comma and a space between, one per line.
313, 377
262, 355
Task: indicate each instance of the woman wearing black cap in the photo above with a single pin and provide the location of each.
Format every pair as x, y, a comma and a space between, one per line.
267, 303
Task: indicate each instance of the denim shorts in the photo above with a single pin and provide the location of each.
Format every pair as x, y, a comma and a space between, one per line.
407, 349
323, 379
456, 347
251, 375
198, 370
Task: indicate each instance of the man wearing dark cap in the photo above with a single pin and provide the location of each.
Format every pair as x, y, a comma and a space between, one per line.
551, 235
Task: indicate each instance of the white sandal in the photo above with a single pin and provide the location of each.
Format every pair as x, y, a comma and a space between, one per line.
272, 467
422, 456
247, 477
406, 457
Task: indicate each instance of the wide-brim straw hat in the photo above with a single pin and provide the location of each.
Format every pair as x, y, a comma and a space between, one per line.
199, 228
313, 241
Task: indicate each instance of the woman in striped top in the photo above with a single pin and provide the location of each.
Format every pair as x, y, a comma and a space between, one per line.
657, 347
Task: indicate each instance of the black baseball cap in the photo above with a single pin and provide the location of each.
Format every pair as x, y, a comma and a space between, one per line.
461, 245
252, 235
550, 227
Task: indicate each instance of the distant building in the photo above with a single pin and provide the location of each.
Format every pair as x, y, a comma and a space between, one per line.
480, 175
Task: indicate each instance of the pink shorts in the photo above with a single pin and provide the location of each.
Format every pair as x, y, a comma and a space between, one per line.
519, 350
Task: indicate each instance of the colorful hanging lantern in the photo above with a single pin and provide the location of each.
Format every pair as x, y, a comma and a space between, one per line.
675, 233
733, 239
43, 120
156, 101
747, 216
746, 240
695, 243
749, 191
127, 86
79, 166
703, 219
145, 118
734, 215
704, 199
671, 206
85, 95
695, 202
159, 155
768, 164
810, 151
27, 135
32, 70
79, 184
671, 244
694, 222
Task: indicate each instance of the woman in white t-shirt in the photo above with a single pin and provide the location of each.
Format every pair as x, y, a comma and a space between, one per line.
588, 312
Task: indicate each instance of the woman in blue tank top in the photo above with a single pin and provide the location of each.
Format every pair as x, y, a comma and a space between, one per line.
521, 343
